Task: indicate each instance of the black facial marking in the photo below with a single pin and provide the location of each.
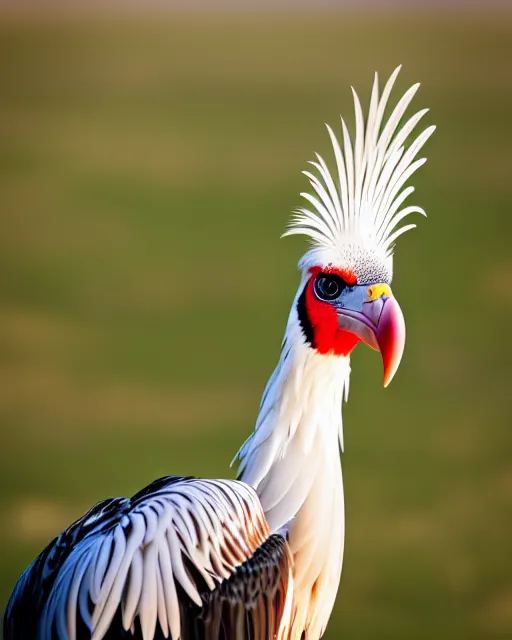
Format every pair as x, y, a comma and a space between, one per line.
307, 328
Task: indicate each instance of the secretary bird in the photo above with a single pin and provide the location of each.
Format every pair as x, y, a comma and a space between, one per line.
260, 557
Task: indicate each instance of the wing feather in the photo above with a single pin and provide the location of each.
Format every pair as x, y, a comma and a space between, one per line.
184, 558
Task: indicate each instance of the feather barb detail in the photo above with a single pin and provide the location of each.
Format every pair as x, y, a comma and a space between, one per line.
361, 202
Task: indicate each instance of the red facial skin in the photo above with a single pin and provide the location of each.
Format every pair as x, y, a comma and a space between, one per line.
322, 316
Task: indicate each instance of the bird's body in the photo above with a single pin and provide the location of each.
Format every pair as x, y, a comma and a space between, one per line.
174, 568
293, 461
258, 558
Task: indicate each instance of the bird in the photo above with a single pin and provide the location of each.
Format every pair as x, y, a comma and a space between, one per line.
259, 557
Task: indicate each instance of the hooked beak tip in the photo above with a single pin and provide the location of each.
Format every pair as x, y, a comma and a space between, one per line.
390, 337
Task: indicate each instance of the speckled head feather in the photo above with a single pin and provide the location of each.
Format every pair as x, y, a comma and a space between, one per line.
355, 215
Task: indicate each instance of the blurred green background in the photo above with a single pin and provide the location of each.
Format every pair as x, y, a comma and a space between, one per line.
148, 165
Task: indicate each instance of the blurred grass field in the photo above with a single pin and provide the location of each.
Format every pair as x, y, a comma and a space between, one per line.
147, 169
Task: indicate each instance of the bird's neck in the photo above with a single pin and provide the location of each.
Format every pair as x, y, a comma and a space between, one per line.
293, 461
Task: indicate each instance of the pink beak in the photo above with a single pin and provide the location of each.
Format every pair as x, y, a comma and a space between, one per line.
390, 336
379, 323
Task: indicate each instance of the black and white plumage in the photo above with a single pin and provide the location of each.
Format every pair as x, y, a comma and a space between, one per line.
184, 558
259, 558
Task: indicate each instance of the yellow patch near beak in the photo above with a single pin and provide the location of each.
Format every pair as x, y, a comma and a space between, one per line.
378, 290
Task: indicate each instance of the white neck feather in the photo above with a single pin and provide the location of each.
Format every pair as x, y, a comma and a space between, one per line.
293, 461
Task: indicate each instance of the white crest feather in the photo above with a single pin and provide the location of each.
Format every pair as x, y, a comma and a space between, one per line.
361, 204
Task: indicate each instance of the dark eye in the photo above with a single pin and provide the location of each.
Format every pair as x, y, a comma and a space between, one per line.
329, 286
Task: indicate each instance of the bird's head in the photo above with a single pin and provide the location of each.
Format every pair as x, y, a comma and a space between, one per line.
342, 303
345, 294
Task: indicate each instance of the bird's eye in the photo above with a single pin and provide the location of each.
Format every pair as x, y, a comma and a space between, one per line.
329, 286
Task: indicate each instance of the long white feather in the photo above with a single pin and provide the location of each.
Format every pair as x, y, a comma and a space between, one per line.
137, 562
359, 204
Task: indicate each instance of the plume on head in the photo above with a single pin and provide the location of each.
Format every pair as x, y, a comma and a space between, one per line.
355, 214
